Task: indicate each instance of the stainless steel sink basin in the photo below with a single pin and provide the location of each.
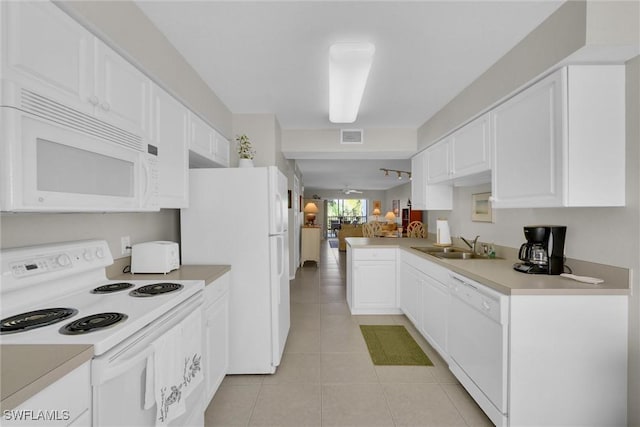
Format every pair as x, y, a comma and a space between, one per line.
459, 255
435, 249
449, 252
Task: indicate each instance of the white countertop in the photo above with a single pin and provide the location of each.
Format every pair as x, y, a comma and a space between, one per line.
499, 274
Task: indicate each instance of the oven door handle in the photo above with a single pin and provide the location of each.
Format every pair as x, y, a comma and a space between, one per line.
103, 372
117, 362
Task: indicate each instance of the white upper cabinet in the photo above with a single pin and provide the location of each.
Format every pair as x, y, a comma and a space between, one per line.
561, 142
470, 148
201, 142
122, 92
438, 162
465, 152
207, 148
169, 132
49, 53
423, 195
221, 153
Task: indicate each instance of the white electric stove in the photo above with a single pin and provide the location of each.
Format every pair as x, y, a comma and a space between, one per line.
59, 294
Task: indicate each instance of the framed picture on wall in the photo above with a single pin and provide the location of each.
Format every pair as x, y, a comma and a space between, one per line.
376, 205
481, 210
396, 207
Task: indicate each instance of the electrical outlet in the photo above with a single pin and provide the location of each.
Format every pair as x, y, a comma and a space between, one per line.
125, 245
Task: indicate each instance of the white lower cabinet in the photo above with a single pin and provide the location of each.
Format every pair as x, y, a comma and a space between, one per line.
410, 290
66, 402
435, 310
373, 275
310, 246
424, 299
216, 331
560, 359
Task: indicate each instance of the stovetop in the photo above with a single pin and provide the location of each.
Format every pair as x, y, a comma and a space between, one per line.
64, 276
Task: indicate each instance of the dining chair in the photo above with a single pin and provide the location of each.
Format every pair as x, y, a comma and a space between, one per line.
416, 229
371, 229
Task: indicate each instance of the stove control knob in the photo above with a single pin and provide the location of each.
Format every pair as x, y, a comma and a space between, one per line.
99, 253
88, 255
63, 260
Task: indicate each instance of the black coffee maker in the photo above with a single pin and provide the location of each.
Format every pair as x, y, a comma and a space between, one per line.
543, 253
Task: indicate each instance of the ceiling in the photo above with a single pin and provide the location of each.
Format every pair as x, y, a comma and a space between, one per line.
272, 57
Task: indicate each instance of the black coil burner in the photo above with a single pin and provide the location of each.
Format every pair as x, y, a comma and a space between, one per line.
155, 289
92, 323
35, 319
112, 287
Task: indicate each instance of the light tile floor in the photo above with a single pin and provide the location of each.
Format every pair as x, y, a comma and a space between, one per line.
326, 377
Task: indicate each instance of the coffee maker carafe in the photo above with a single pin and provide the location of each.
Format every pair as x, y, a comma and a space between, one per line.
543, 253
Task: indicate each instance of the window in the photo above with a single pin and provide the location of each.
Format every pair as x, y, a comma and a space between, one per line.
345, 211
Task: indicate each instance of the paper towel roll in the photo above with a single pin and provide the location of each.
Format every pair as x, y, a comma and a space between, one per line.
443, 235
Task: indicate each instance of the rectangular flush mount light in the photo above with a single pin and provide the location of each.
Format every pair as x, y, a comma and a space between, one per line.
349, 65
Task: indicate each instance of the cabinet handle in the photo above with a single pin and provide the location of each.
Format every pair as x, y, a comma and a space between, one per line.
93, 100
105, 106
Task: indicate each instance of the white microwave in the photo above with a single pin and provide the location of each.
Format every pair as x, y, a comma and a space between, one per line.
56, 159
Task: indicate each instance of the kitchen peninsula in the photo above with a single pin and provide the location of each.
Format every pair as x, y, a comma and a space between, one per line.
528, 348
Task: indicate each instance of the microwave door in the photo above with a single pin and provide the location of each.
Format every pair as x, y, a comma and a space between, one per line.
62, 170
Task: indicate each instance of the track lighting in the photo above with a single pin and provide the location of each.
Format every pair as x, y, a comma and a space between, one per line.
386, 172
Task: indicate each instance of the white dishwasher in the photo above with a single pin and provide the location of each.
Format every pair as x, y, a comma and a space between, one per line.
478, 344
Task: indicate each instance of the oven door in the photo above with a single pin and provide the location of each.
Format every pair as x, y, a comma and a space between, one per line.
118, 378
52, 167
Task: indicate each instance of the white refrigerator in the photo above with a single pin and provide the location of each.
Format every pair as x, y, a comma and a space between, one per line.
238, 216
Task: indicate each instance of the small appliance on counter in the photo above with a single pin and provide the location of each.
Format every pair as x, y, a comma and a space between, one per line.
155, 257
443, 234
543, 253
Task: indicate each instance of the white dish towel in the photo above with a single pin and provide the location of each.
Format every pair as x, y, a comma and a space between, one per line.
174, 368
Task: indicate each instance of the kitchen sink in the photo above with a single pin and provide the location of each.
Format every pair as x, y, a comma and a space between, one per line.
449, 252
431, 250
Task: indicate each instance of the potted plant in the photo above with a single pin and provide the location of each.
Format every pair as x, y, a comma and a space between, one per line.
245, 151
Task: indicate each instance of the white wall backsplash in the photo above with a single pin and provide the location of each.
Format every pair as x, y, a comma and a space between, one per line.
26, 229
593, 234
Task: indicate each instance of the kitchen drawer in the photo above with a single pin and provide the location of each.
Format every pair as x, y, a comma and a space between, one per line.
374, 254
214, 290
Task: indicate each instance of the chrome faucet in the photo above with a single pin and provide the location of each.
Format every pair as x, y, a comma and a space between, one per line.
472, 244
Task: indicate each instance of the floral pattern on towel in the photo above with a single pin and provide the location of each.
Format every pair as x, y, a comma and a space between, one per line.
191, 367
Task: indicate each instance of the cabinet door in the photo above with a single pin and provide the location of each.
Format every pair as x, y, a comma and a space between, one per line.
471, 148
123, 92
201, 137
221, 150
310, 244
169, 134
438, 162
217, 344
419, 181
411, 294
374, 284
435, 308
48, 52
70, 396
527, 146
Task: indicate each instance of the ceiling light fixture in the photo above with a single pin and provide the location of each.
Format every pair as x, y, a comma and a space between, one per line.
349, 65
386, 172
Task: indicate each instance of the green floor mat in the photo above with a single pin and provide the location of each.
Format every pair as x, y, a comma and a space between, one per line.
392, 345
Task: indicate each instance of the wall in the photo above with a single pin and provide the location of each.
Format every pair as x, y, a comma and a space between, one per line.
325, 143
26, 229
602, 235
123, 26
400, 192
579, 30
